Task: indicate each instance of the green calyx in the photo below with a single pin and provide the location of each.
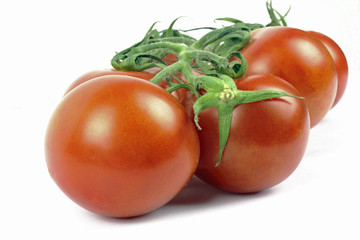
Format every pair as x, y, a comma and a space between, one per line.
223, 94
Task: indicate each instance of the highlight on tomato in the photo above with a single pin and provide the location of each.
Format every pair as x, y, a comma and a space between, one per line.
120, 146
266, 143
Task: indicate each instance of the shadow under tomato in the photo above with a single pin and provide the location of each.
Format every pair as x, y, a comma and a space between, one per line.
196, 196
198, 192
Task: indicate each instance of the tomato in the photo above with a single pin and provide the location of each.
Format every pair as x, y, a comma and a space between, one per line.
120, 146
146, 75
104, 72
299, 58
170, 58
340, 63
266, 143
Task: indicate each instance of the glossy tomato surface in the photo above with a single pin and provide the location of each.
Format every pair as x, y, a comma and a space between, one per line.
266, 143
339, 58
120, 146
104, 72
299, 58
146, 75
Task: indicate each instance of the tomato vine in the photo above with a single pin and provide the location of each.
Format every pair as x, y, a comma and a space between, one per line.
210, 57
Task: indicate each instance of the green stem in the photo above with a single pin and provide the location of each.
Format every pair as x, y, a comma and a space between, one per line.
225, 116
188, 74
177, 48
176, 67
206, 101
184, 40
220, 35
274, 20
175, 87
209, 83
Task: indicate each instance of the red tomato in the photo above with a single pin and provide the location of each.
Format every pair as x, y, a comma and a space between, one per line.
299, 58
104, 72
170, 58
121, 147
146, 75
340, 62
266, 143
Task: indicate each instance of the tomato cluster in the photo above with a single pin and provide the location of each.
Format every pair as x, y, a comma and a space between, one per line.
125, 141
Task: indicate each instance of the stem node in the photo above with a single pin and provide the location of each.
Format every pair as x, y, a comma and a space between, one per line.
226, 95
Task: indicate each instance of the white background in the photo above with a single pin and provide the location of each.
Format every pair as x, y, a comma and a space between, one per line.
45, 45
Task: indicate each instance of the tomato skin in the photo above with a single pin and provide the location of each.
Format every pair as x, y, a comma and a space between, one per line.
299, 58
104, 72
266, 143
146, 75
170, 58
120, 146
341, 64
